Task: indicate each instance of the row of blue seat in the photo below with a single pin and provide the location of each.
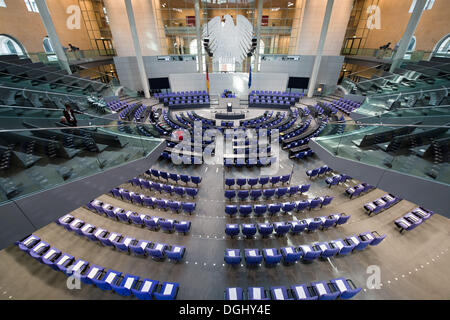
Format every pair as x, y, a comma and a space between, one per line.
337, 179
303, 154
153, 202
249, 161
339, 288
159, 174
229, 182
290, 255
140, 219
255, 194
273, 208
160, 187
123, 243
105, 279
318, 171
380, 204
358, 189
296, 132
413, 219
283, 227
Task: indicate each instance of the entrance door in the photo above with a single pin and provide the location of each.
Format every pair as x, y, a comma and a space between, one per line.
105, 47
351, 46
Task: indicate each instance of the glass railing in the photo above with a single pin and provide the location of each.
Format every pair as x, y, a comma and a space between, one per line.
34, 159
415, 150
388, 54
71, 55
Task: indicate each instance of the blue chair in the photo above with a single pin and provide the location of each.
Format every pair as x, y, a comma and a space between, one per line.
281, 228
174, 205
288, 207
302, 292
329, 221
265, 229
231, 210
361, 244
346, 288
304, 188
241, 182
252, 182
144, 288
293, 190
274, 208
312, 173
232, 230
344, 247
309, 253
188, 207
245, 210
164, 175
168, 291
260, 209
342, 219
248, 230
271, 256
92, 272
182, 226
268, 193
314, 203
104, 280
274, 180
232, 256
167, 225
327, 249
325, 201
313, 224
179, 191
279, 293
302, 205
230, 194
38, 250
297, 226
263, 181
281, 192
175, 253
196, 180
325, 291
284, 179
257, 293
243, 195
123, 284
151, 222
290, 255
50, 257
138, 247
191, 192
253, 256
229, 182
185, 178
255, 194
233, 294
157, 250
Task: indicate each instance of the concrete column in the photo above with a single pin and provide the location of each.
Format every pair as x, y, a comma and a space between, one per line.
51, 32
258, 33
137, 49
318, 58
198, 30
409, 32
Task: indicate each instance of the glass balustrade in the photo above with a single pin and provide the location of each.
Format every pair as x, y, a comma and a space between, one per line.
36, 158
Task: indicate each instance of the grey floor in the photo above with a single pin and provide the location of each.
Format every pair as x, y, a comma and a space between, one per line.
412, 265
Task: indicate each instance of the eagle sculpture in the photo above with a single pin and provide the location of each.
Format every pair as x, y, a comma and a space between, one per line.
227, 41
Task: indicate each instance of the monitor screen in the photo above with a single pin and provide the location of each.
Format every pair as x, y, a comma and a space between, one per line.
298, 83
159, 83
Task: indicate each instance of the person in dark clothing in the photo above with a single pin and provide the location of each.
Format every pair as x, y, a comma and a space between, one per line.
69, 114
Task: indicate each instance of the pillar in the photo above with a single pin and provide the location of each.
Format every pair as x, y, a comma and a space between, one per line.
137, 49
51, 32
409, 32
318, 58
198, 29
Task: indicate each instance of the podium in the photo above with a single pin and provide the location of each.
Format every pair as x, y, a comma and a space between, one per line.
229, 107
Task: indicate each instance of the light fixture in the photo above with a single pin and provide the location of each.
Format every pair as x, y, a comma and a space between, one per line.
290, 4
275, 9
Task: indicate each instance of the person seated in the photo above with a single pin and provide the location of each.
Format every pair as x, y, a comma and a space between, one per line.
69, 115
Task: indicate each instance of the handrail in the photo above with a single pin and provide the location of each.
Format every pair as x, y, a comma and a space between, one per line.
50, 72
41, 91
